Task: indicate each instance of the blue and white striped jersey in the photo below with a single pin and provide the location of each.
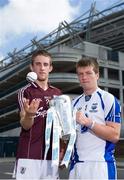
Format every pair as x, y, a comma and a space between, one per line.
100, 107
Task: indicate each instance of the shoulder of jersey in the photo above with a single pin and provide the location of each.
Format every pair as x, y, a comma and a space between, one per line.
77, 98
53, 87
106, 94
26, 86
56, 89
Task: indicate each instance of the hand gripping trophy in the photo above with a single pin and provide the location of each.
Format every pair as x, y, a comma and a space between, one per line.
60, 115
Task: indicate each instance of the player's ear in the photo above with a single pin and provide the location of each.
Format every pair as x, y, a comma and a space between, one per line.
98, 75
51, 68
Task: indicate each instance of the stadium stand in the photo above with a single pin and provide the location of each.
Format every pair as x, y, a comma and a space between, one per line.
96, 34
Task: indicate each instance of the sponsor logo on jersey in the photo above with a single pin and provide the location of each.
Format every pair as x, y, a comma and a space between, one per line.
41, 112
94, 107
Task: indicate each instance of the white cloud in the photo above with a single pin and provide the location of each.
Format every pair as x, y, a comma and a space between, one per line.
32, 16
1, 57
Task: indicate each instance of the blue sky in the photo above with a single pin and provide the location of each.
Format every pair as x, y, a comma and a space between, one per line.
22, 20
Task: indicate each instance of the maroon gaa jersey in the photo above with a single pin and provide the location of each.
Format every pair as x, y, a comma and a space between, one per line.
32, 142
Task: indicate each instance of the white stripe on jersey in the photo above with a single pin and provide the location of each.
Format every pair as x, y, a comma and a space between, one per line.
21, 95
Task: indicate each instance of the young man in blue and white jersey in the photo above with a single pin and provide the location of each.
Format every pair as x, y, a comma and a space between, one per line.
98, 126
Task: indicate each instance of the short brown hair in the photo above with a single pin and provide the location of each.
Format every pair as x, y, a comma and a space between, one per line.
41, 52
88, 61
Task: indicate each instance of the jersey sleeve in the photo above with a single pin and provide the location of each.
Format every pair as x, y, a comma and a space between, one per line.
21, 94
112, 109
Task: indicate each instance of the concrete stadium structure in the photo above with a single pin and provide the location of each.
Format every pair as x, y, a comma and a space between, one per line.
84, 36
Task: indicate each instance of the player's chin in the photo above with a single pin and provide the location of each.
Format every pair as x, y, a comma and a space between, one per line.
42, 79
85, 86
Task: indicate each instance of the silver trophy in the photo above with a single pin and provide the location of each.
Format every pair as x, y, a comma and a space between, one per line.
64, 126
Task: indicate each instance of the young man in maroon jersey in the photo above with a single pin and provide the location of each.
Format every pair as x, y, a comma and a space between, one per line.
33, 102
